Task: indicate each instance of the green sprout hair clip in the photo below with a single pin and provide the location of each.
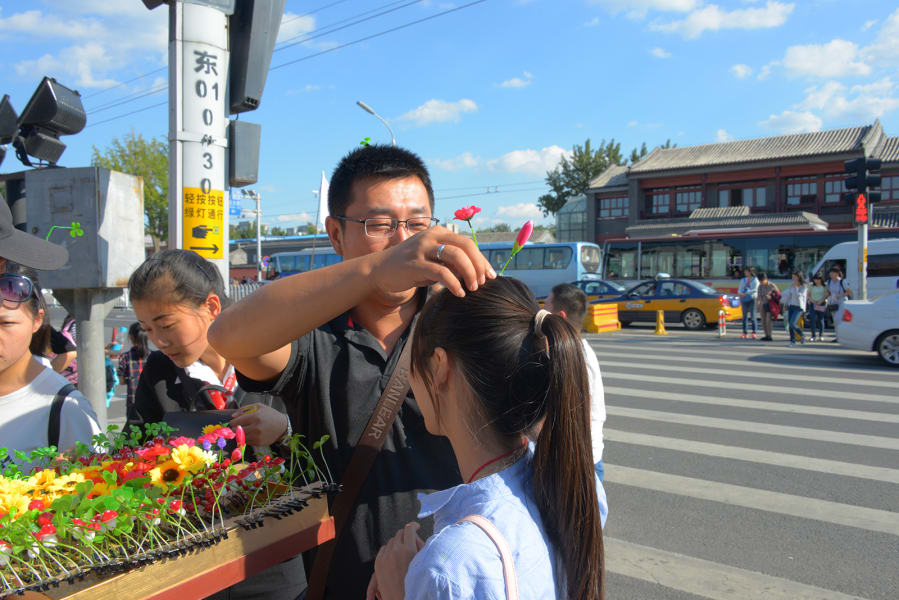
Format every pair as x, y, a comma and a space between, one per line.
74, 230
365, 141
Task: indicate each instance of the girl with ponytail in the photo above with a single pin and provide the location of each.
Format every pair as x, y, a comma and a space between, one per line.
490, 372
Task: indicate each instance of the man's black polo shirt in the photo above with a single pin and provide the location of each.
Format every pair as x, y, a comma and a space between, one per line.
331, 385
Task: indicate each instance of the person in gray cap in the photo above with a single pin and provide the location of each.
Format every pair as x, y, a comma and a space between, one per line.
26, 249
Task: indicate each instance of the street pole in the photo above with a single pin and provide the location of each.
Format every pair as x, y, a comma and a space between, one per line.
258, 198
198, 130
863, 258
370, 111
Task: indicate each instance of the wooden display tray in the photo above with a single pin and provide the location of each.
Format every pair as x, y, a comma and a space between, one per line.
244, 553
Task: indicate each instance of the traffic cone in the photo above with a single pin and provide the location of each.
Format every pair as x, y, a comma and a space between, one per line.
660, 323
722, 324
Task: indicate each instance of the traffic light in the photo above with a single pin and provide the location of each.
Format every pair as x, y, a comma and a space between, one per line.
53, 110
861, 209
863, 173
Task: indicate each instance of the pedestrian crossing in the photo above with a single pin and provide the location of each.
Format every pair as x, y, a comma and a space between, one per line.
741, 469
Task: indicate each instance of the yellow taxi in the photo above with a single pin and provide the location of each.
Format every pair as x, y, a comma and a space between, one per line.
692, 303
596, 289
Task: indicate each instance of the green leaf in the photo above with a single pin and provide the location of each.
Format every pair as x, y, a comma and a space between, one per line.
64, 503
83, 488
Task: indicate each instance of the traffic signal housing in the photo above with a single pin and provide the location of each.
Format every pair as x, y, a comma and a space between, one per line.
863, 173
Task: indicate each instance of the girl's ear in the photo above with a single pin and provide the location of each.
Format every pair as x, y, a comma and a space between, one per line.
38, 321
214, 305
441, 366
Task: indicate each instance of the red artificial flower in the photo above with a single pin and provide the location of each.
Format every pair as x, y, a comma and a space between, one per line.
181, 441
523, 235
44, 519
467, 212
236, 455
153, 451
36, 505
225, 432
241, 437
175, 506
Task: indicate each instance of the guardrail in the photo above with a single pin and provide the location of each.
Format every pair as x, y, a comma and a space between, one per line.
235, 291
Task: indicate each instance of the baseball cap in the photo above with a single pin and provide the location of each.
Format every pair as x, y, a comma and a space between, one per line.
26, 249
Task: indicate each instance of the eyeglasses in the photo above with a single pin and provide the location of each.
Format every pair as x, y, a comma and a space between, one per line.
15, 287
385, 227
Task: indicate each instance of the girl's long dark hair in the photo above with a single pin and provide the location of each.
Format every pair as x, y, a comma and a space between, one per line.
139, 341
524, 377
180, 275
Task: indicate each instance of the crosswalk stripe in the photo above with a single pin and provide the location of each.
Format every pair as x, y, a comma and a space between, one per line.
820, 411
805, 352
871, 519
710, 371
778, 459
836, 437
778, 390
705, 578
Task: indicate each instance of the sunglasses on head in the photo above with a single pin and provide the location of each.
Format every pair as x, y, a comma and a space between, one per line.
15, 287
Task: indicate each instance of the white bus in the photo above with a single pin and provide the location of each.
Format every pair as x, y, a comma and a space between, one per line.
883, 265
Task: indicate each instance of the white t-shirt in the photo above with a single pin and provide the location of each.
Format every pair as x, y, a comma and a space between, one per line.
597, 400
25, 414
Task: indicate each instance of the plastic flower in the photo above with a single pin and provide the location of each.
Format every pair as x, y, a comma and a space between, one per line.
181, 441
465, 214
167, 474
520, 240
240, 436
153, 451
191, 458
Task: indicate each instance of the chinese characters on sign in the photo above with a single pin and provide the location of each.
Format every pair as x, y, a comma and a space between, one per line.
203, 221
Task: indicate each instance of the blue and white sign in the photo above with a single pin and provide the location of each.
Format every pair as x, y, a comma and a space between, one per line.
234, 205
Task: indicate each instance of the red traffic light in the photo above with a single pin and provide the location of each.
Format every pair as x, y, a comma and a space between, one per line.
861, 209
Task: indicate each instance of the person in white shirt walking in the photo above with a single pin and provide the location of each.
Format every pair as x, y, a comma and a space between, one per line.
570, 302
749, 287
837, 293
794, 299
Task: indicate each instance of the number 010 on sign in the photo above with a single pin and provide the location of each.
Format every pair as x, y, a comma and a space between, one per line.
203, 215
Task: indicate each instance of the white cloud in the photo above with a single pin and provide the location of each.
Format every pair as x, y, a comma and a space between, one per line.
722, 136
521, 210
300, 216
885, 48
518, 82
765, 71
34, 23
793, 122
632, 123
741, 71
713, 18
592, 22
638, 9
836, 58
660, 52
869, 24
294, 25
859, 103
439, 111
537, 162
463, 161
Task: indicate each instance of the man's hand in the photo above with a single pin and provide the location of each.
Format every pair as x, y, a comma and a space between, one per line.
414, 263
392, 563
262, 424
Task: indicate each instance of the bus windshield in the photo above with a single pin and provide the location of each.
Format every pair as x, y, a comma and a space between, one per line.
590, 258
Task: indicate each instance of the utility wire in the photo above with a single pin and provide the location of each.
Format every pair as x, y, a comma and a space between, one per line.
130, 98
494, 185
128, 114
489, 193
375, 35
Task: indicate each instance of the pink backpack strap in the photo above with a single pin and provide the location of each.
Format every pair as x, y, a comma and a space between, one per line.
505, 553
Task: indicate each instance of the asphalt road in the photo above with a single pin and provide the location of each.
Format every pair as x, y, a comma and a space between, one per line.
739, 469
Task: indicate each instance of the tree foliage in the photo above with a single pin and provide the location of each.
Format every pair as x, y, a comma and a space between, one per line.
148, 159
573, 175
498, 228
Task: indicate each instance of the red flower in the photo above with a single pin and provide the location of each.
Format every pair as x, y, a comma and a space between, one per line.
523, 235
181, 441
36, 505
45, 519
153, 451
236, 455
175, 506
467, 212
241, 437
224, 432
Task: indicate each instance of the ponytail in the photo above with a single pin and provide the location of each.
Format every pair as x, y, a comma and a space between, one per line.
564, 476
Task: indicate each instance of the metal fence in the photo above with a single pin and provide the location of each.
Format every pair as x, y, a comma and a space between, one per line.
236, 292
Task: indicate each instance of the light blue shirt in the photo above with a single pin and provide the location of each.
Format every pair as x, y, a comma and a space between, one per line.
460, 561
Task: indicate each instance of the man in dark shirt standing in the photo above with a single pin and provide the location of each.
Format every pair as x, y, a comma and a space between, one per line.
327, 341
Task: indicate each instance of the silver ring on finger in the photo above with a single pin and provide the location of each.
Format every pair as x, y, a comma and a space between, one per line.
440, 249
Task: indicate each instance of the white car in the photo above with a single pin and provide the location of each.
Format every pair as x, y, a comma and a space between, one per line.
872, 325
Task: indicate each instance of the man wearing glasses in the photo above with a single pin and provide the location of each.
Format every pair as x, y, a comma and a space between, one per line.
327, 341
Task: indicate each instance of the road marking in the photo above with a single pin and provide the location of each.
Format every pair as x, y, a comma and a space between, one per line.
871, 519
714, 349
706, 578
646, 362
836, 437
831, 467
777, 390
819, 411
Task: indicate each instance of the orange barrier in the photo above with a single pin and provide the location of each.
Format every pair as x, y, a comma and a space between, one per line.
602, 317
660, 323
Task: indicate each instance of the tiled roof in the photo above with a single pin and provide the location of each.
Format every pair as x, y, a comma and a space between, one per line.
665, 227
834, 141
614, 176
890, 151
720, 212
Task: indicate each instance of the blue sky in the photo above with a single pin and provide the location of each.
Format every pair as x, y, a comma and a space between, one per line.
490, 95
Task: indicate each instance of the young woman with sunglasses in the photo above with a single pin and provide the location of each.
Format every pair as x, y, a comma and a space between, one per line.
27, 387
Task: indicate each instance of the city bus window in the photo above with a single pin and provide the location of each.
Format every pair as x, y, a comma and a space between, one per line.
529, 258
498, 259
557, 258
590, 258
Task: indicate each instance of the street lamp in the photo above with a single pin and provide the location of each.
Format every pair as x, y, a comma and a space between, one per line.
369, 110
253, 195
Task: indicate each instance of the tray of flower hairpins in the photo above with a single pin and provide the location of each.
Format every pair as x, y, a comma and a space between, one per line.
147, 515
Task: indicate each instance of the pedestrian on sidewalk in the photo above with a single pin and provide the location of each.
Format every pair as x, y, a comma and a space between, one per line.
817, 307
768, 298
838, 292
131, 364
748, 291
570, 302
794, 301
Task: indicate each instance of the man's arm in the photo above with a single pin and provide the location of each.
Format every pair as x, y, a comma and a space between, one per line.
255, 334
61, 361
